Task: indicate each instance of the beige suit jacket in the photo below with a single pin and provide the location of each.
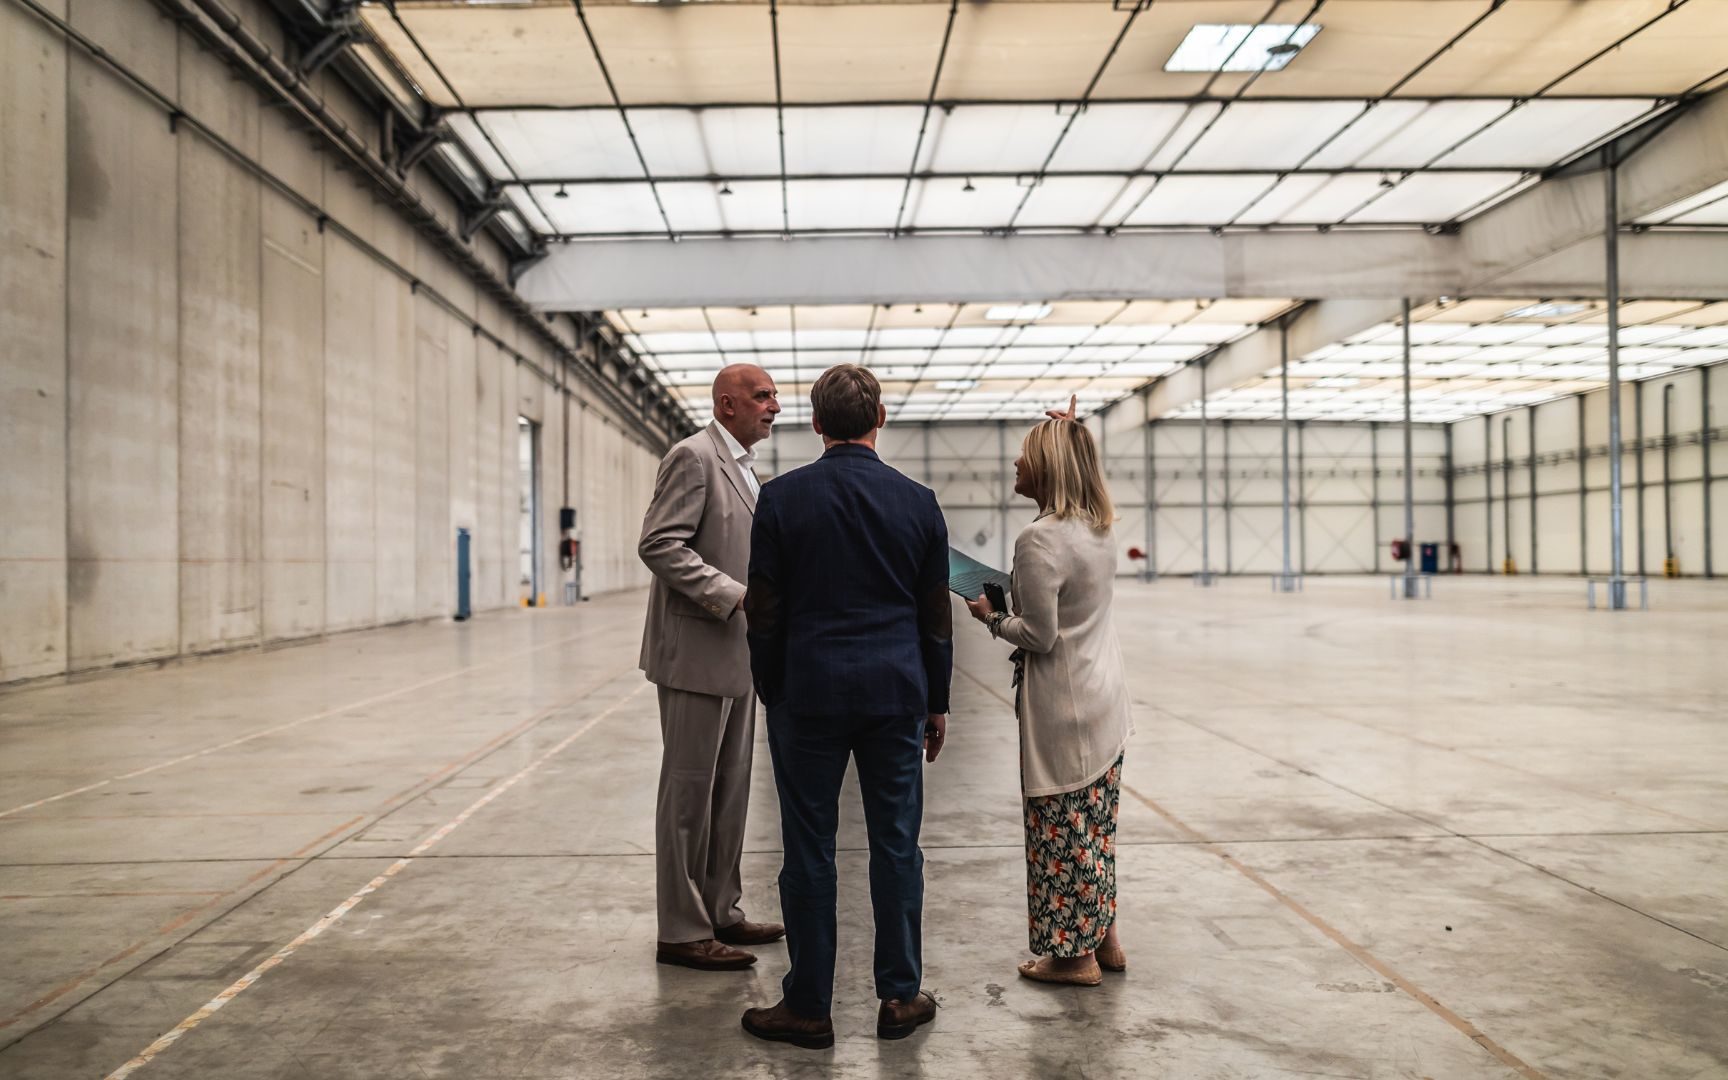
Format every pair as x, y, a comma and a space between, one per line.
1075, 714
696, 540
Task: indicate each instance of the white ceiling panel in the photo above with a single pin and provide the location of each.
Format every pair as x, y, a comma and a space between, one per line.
1435, 197
1198, 200
1116, 135
994, 138
753, 206
1421, 134
541, 144
712, 142
851, 140
1070, 200
1269, 134
1541, 132
946, 203
843, 204
1175, 145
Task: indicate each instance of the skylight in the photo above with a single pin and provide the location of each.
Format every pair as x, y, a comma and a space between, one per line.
1545, 310
1240, 46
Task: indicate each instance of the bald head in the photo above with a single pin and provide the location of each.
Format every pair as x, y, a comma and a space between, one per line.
745, 402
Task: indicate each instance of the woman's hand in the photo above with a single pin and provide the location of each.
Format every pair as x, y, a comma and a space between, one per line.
1071, 414
980, 608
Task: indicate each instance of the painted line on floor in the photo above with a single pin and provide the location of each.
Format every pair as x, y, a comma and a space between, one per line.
168, 927
240, 985
276, 729
378, 812
1362, 955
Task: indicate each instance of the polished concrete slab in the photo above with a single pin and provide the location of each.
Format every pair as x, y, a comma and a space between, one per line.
1481, 835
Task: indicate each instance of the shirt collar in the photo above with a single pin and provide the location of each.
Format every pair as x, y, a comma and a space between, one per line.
734, 447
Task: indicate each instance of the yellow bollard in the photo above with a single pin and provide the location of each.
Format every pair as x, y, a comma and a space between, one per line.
1671, 567
1510, 566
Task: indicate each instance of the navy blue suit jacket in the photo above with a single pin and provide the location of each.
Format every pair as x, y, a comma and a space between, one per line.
848, 595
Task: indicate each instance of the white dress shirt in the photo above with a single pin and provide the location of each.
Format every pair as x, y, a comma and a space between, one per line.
746, 460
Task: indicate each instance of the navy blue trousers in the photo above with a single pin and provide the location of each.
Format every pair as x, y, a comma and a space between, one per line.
810, 755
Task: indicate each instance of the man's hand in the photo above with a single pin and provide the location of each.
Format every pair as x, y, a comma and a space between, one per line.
980, 608
935, 735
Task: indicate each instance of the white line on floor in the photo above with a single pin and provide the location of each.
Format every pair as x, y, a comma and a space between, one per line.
240, 985
259, 734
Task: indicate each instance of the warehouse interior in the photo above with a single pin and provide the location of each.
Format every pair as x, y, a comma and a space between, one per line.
340, 343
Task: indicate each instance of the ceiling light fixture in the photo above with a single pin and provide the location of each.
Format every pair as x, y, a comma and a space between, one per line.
968, 186
1017, 312
725, 188
1240, 46
561, 193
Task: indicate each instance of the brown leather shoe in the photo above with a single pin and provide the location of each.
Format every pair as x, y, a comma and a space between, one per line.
705, 955
780, 1024
898, 1019
745, 932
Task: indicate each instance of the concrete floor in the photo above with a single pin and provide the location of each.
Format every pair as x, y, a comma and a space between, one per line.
1482, 835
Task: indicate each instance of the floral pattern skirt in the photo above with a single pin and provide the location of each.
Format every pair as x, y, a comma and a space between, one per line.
1071, 866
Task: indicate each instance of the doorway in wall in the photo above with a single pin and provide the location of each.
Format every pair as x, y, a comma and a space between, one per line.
530, 586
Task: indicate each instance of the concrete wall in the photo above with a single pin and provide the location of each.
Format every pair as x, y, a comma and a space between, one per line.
223, 425
1347, 495
1564, 529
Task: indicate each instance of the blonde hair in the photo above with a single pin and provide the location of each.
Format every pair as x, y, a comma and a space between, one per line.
1066, 474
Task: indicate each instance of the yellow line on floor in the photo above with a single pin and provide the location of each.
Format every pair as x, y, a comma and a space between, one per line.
259, 734
240, 985
1337, 936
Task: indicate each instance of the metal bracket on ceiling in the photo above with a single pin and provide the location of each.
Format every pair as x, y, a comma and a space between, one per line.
343, 29
473, 220
423, 144
521, 266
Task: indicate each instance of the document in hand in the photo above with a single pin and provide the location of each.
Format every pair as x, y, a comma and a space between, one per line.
967, 576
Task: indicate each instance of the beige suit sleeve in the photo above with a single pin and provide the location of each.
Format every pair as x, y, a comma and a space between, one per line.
1037, 587
680, 496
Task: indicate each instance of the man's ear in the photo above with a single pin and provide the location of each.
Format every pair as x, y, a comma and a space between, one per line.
881, 415
816, 425
723, 406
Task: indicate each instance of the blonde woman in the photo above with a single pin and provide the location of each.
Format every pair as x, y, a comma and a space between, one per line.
1071, 700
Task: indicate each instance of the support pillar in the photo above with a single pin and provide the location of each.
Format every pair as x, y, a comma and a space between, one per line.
1149, 572
1205, 577
1530, 419
1611, 276
1286, 581
1704, 447
1410, 583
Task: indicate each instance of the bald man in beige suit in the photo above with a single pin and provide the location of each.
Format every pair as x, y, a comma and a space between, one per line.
696, 540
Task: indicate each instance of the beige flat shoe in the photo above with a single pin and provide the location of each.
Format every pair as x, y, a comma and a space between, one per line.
1112, 959
1039, 971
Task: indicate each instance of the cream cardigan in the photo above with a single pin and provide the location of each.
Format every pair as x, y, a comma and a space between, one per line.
1075, 716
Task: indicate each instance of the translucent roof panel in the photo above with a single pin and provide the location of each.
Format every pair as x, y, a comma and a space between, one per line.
1436, 196
1269, 134
994, 138
1461, 367
1538, 132
1707, 207
989, 367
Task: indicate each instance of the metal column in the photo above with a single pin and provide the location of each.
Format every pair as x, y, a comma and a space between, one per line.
1224, 474
1611, 275
1638, 470
1583, 494
1003, 467
1286, 581
1149, 572
1488, 489
1510, 565
1451, 501
1374, 487
1302, 495
1704, 447
1670, 563
1530, 419
929, 477
1410, 592
1205, 576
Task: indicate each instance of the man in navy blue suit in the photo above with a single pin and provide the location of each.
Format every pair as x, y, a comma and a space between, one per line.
851, 650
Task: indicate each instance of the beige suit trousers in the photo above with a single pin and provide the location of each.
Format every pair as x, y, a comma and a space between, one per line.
699, 816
